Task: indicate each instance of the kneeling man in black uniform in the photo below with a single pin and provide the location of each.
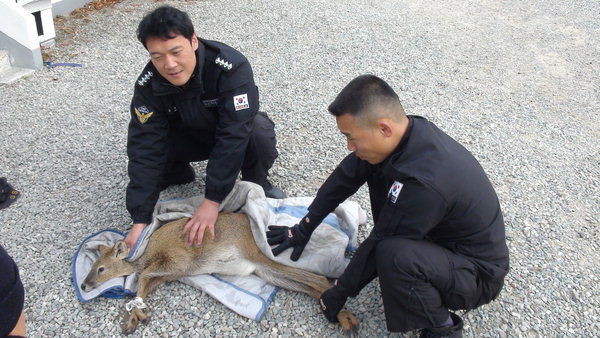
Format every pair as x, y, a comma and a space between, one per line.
195, 100
438, 241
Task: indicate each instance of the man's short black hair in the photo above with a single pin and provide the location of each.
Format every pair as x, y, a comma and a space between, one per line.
165, 22
360, 96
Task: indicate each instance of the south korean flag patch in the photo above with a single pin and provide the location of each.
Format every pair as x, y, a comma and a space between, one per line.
394, 191
241, 102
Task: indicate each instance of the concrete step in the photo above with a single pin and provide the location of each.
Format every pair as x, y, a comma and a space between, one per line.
9, 73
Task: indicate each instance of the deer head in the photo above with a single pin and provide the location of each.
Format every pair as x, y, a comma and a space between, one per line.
110, 264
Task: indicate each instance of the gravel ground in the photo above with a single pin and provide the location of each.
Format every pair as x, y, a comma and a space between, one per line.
516, 82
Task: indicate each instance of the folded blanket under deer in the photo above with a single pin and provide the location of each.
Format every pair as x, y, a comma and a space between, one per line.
249, 296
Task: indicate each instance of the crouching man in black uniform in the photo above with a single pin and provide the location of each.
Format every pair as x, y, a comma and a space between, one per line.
195, 100
438, 241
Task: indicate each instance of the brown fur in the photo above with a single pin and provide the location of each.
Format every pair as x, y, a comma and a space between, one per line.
234, 251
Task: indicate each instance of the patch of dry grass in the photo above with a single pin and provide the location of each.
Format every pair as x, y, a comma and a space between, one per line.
66, 29
92, 7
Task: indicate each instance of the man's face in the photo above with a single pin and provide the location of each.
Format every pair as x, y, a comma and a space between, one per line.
174, 58
367, 142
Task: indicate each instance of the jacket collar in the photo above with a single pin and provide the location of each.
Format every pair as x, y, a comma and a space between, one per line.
388, 163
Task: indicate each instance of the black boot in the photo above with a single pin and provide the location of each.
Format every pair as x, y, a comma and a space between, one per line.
7, 193
177, 173
272, 191
454, 331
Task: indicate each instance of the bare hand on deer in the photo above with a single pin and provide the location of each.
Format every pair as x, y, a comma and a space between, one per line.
204, 217
295, 237
134, 234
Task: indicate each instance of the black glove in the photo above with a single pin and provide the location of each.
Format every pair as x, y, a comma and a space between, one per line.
332, 301
295, 237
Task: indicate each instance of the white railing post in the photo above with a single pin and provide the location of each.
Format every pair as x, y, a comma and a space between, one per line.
42, 12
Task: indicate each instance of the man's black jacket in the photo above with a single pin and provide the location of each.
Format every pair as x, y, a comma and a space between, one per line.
430, 188
218, 103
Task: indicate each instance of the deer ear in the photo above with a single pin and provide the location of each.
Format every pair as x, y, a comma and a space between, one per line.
103, 249
121, 250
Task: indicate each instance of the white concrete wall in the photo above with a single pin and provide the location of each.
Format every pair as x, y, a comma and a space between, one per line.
19, 35
18, 23
44, 7
18, 31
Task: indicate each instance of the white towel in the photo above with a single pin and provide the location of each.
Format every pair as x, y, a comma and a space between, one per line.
248, 296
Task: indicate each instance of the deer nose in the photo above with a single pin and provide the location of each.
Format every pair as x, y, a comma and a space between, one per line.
83, 286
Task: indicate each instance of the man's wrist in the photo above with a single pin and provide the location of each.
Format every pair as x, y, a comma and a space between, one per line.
305, 227
339, 291
141, 218
332, 302
340, 288
139, 226
212, 196
211, 203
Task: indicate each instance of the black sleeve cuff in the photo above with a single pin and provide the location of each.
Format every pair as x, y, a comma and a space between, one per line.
142, 218
314, 221
215, 197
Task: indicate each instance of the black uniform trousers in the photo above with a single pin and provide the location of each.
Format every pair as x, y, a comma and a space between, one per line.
189, 145
420, 281
12, 294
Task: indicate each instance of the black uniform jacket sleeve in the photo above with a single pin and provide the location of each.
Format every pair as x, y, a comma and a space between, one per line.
345, 180
147, 151
238, 105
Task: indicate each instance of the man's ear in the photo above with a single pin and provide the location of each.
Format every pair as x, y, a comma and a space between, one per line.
385, 127
194, 41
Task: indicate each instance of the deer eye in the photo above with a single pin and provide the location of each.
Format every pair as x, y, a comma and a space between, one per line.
101, 269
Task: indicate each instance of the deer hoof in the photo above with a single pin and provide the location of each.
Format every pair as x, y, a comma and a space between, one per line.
146, 319
137, 316
348, 321
131, 325
128, 330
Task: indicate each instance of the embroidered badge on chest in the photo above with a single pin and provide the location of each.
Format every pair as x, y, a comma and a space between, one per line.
394, 191
143, 114
210, 103
241, 102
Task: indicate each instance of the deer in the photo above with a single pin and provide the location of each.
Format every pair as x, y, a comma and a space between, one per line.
168, 257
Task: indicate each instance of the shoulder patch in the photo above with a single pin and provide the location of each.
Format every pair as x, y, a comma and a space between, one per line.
145, 78
143, 114
226, 65
241, 102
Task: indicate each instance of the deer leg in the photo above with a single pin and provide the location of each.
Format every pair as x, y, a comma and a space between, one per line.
151, 283
135, 317
318, 286
146, 284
